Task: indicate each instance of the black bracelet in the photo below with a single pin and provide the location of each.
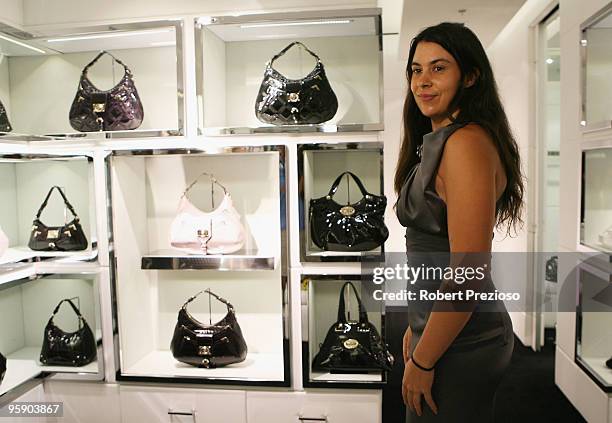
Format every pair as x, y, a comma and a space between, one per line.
425, 369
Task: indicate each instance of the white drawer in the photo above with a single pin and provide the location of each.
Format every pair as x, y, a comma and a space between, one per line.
186, 405
84, 402
301, 407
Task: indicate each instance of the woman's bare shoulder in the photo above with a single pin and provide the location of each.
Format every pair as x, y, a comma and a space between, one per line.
470, 145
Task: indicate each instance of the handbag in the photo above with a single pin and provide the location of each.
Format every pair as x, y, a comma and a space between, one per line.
68, 348
354, 227
5, 125
352, 346
208, 346
4, 242
117, 109
2, 367
69, 237
551, 269
216, 232
284, 101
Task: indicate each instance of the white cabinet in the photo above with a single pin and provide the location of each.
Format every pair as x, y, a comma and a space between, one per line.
303, 407
139, 404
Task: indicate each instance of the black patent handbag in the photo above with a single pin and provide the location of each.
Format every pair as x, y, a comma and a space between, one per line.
117, 109
2, 367
352, 346
5, 125
284, 101
68, 348
358, 226
69, 237
208, 346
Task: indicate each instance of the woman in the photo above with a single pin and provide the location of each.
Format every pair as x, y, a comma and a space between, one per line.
458, 176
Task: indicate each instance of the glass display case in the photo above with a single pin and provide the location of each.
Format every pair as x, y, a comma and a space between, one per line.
594, 321
321, 301
596, 68
319, 167
187, 221
25, 182
40, 75
26, 317
596, 222
232, 53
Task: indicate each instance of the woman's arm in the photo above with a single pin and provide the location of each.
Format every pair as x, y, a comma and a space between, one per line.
467, 172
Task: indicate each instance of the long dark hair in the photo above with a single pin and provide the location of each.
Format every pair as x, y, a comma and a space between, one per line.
479, 103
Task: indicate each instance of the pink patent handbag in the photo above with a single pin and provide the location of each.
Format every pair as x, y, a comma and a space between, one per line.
4, 242
217, 232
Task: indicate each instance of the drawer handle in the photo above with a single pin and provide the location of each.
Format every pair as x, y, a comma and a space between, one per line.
312, 419
191, 413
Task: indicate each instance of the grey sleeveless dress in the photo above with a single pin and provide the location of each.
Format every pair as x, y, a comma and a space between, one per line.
469, 372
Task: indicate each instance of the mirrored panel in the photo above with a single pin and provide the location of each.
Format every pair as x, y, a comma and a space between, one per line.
62, 84
596, 225
596, 70
291, 72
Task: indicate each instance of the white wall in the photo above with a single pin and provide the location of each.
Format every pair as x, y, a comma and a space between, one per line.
11, 12
511, 55
43, 12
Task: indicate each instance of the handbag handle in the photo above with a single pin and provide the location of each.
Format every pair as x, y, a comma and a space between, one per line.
295, 43
363, 315
212, 179
66, 202
209, 292
102, 53
76, 310
334, 187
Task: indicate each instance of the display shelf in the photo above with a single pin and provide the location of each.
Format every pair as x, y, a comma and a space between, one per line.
32, 354
597, 366
232, 52
175, 260
20, 254
347, 378
318, 167
38, 102
593, 321
16, 272
256, 367
292, 129
18, 371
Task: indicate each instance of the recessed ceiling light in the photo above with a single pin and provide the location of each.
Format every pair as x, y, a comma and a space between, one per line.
108, 35
19, 43
303, 23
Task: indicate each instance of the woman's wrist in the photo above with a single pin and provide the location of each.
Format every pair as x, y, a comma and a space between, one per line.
420, 366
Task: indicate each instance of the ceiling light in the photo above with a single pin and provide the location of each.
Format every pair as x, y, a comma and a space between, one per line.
19, 43
108, 35
550, 61
583, 42
163, 43
277, 24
